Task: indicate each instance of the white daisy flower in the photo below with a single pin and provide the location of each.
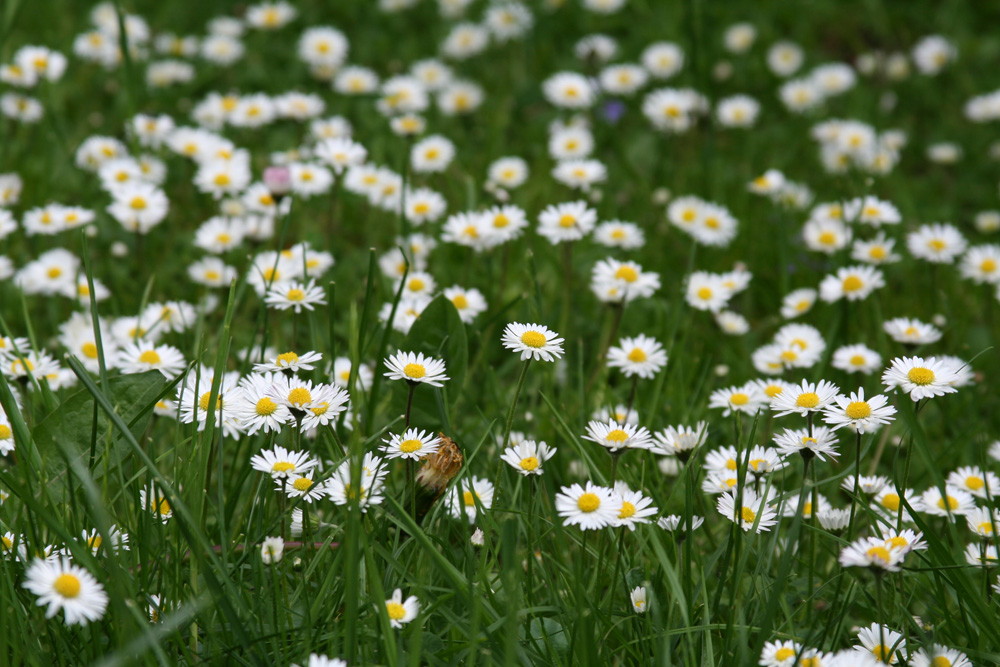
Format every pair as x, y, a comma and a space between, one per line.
590, 507
854, 411
61, 585
532, 341
641, 356
416, 368
411, 444
749, 511
616, 437
527, 456
466, 493
401, 612
920, 378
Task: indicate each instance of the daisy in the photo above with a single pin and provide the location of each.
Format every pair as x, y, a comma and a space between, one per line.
60, 584
432, 154
571, 143
856, 359
974, 480
833, 519
635, 507
868, 484
117, 540
342, 373
638, 598
282, 463
641, 356
255, 407
569, 90
984, 522
737, 111
707, 291
366, 489
878, 250
939, 656
852, 283
981, 264
618, 437
953, 502
466, 493
618, 234
905, 541
508, 172
415, 368
805, 398
911, 331
919, 378
747, 399
154, 500
826, 236
580, 174
590, 507
782, 654
798, 302
981, 555
888, 502
143, 356
566, 222
401, 612
932, 53
630, 281
527, 457
301, 486
752, 511
676, 522
820, 444
937, 243
532, 341
772, 388
885, 645
328, 402
290, 361
468, 302
871, 552
412, 444
297, 295
864, 416
790, 506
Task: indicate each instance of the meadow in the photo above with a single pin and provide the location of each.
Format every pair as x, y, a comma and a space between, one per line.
455, 332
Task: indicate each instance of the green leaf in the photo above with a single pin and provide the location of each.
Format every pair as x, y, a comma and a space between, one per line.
71, 423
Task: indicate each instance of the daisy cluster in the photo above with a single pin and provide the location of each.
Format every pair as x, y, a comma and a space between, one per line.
494, 303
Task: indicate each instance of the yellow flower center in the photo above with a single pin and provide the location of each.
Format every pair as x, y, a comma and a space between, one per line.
882, 653
415, 285
320, 408
739, 398
588, 502
266, 406
783, 654
299, 396
533, 339
627, 273
827, 238
271, 274
974, 483
920, 376
749, 516
67, 585
266, 199
529, 463
879, 554
858, 360
936, 244
460, 301
395, 610
287, 359
89, 350
773, 390
803, 305
421, 208
807, 400
877, 252
162, 507
940, 661
221, 180
730, 464
94, 542
8, 543
212, 275
203, 401
890, 501
567, 220
282, 466
952, 503
858, 410
896, 542
852, 284
302, 484
469, 498
414, 371
628, 510
704, 293
410, 446
637, 355
138, 203
757, 463
150, 357
617, 435
54, 272
984, 528
988, 266
789, 356
501, 221
295, 294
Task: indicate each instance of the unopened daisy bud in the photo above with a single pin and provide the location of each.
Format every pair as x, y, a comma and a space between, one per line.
271, 550
278, 180
119, 249
722, 370
669, 466
661, 196
478, 538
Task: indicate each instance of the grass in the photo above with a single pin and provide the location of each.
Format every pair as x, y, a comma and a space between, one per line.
536, 592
